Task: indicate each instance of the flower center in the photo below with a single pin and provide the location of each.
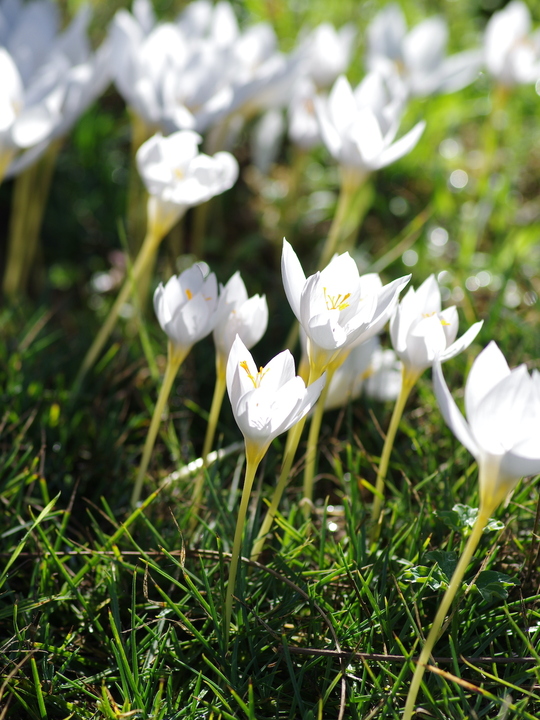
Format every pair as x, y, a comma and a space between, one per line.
431, 314
189, 294
336, 302
255, 379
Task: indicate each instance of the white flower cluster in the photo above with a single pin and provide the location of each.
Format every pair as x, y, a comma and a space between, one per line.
202, 72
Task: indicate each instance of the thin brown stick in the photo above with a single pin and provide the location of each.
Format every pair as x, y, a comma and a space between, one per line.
385, 657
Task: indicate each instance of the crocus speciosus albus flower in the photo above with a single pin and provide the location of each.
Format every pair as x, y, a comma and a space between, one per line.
421, 333
359, 127
512, 52
418, 56
502, 428
336, 307
186, 311
501, 431
186, 307
265, 403
177, 176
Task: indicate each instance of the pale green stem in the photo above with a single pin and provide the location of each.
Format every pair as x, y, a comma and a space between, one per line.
293, 440
217, 401
313, 439
145, 257
175, 358
408, 381
341, 226
253, 458
455, 584
31, 190
291, 446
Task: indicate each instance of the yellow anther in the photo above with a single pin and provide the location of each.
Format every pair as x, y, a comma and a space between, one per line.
189, 294
336, 302
256, 380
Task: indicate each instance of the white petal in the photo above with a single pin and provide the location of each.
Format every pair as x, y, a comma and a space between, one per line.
451, 414
489, 368
293, 277
464, 341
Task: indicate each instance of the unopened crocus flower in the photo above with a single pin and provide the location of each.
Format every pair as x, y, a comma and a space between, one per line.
186, 311
421, 333
418, 56
177, 177
265, 402
512, 51
501, 431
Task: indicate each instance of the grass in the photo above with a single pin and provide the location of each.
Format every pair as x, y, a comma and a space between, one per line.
108, 613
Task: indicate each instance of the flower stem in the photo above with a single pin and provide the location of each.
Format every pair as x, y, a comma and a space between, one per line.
408, 381
313, 438
291, 446
348, 217
217, 401
175, 358
455, 584
253, 458
145, 257
30, 194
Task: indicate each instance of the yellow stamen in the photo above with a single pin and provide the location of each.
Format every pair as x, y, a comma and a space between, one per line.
427, 315
189, 294
256, 380
336, 302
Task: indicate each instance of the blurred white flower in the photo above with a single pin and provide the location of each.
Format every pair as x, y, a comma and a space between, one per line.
48, 79
238, 315
418, 56
198, 71
512, 51
186, 307
337, 308
421, 333
367, 368
177, 176
359, 128
503, 422
268, 401
326, 53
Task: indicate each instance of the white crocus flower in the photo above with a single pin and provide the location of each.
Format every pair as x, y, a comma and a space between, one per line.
501, 431
49, 80
367, 368
326, 53
177, 176
383, 381
239, 315
512, 51
267, 401
421, 332
186, 306
418, 56
503, 421
359, 127
337, 308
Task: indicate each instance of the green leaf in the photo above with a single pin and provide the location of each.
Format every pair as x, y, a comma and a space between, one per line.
494, 585
461, 519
